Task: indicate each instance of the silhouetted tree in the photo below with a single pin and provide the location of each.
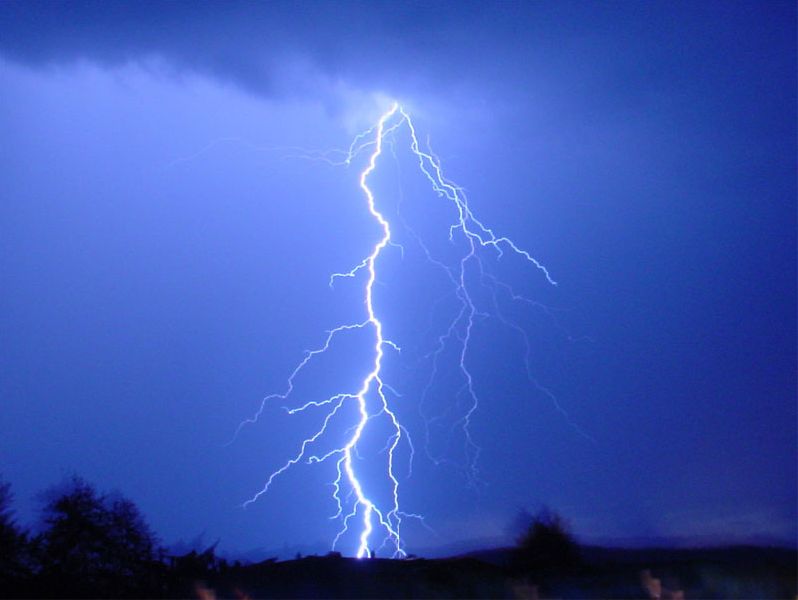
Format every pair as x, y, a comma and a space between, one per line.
15, 560
95, 545
546, 545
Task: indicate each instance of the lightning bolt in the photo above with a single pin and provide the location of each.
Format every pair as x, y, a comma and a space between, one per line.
353, 499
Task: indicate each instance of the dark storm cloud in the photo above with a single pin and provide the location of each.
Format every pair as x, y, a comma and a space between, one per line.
616, 55
264, 47
226, 42
297, 48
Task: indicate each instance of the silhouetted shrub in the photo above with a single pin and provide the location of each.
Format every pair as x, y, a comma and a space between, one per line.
546, 545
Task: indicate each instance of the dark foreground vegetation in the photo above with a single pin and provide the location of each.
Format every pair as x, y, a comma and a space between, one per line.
98, 546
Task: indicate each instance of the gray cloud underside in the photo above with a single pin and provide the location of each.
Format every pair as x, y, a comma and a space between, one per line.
264, 47
280, 48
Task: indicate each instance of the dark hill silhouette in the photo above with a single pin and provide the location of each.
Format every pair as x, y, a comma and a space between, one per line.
737, 572
94, 545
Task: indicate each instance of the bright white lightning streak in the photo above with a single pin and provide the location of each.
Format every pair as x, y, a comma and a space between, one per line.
477, 236
374, 375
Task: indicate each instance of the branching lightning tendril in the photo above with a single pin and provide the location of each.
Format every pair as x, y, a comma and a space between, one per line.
352, 500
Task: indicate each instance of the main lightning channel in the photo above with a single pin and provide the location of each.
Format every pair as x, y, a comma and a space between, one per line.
373, 378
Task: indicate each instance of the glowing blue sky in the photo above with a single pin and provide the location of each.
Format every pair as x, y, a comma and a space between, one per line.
164, 256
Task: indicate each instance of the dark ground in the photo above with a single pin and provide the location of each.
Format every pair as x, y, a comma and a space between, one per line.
737, 572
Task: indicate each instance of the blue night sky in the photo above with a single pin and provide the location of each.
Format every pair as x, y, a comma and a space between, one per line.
166, 241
